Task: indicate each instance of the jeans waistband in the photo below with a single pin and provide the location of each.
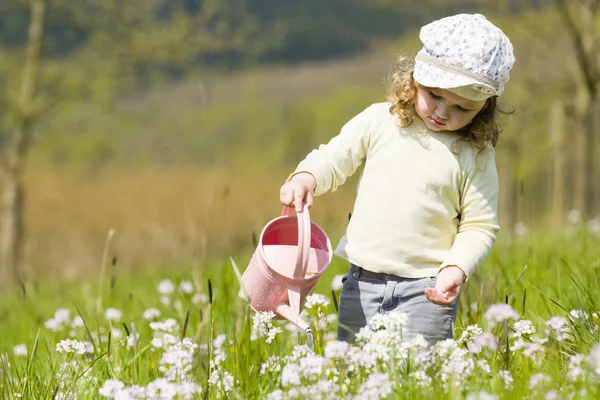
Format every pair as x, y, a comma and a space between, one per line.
360, 272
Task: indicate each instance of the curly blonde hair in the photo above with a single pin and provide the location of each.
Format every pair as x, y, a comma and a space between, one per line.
482, 132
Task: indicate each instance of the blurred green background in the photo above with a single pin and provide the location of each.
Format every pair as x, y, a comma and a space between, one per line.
174, 122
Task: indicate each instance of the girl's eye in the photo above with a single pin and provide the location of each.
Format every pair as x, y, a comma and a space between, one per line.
435, 96
461, 109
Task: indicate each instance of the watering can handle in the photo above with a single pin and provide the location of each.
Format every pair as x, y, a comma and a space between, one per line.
304, 237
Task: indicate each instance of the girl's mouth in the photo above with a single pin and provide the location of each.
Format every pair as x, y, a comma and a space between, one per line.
436, 122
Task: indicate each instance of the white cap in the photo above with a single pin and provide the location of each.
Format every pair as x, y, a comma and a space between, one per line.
465, 54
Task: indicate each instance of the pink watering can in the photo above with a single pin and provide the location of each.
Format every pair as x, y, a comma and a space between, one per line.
291, 255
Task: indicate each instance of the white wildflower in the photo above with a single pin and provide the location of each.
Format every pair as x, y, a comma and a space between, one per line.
223, 383
219, 340
62, 315
112, 314
594, 225
111, 388
312, 365
484, 366
377, 386
200, 298
161, 388
20, 350
531, 349
74, 346
523, 327
116, 333
481, 396
316, 305
593, 358
290, 375
579, 314
77, 322
507, 378
336, 282
538, 379
456, 363
53, 324
133, 340
177, 305
551, 395
271, 334
499, 312
271, 365
575, 370
166, 287
151, 313
186, 287
422, 379
262, 323
484, 340
470, 333
166, 300
559, 327
176, 362
336, 349
170, 325
574, 216
521, 229
276, 395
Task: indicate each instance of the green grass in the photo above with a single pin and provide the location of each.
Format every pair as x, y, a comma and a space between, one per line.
557, 269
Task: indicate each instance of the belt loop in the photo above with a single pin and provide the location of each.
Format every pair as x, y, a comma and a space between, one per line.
355, 271
388, 302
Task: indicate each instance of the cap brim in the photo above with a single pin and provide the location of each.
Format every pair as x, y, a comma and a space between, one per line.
431, 76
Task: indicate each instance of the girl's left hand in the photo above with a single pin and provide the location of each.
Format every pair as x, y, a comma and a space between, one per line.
447, 287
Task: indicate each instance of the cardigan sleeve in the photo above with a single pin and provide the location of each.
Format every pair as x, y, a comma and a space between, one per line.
479, 220
332, 163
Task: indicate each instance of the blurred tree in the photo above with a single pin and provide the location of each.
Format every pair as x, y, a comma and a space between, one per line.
581, 19
26, 112
126, 44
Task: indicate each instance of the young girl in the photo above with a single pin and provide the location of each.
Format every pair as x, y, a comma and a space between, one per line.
425, 212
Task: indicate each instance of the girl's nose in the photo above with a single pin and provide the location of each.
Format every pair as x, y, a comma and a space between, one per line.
442, 112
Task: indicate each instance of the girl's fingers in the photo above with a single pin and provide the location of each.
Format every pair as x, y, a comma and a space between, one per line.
440, 298
298, 198
309, 199
286, 196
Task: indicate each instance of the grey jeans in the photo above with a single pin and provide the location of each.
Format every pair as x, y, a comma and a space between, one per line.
365, 293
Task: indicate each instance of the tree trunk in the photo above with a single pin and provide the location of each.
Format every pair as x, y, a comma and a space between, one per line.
589, 143
556, 129
11, 225
579, 172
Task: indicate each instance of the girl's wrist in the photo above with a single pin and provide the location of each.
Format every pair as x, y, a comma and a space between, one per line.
464, 275
304, 176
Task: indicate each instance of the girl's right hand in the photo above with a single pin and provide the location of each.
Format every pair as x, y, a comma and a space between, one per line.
300, 189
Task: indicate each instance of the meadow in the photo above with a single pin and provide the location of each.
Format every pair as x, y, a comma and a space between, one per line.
528, 327
138, 207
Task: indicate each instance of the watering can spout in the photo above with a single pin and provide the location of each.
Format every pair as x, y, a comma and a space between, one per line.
286, 312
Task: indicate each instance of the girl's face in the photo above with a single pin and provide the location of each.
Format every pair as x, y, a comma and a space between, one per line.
442, 110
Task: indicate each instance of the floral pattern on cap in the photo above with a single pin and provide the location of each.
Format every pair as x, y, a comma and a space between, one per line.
464, 50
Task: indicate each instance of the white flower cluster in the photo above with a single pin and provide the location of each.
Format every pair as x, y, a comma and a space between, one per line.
559, 327
176, 361
262, 323
163, 335
74, 346
500, 312
158, 389
62, 317
175, 365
